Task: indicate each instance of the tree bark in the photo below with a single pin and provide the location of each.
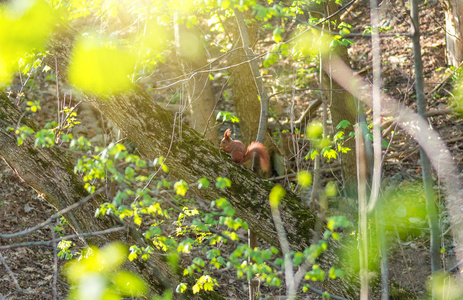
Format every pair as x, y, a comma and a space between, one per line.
453, 30
245, 93
192, 56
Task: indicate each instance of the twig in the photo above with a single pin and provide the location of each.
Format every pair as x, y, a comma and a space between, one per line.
353, 6
167, 155
67, 237
217, 102
58, 113
453, 140
55, 264
10, 273
309, 111
194, 73
336, 12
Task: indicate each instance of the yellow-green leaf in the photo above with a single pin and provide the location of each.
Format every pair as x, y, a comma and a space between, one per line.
331, 189
277, 193
304, 178
129, 284
181, 187
196, 289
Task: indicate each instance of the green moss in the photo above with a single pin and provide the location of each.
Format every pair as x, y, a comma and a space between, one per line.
32, 151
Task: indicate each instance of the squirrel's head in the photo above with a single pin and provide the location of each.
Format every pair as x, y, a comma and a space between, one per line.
226, 137
227, 133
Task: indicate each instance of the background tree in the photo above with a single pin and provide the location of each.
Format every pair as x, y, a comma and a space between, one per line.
192, 55
342, 105
242, 83
453, 31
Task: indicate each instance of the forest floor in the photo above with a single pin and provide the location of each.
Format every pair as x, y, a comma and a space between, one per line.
20, 207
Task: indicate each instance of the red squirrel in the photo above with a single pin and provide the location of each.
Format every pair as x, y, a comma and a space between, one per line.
239, 153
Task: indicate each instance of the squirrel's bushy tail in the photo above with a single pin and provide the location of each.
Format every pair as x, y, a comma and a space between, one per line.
256, 147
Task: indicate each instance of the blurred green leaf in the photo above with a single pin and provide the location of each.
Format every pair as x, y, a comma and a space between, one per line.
98, 66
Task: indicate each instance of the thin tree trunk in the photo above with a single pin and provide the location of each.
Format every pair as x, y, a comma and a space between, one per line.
362, 210
377, 150
264, 109
431, 209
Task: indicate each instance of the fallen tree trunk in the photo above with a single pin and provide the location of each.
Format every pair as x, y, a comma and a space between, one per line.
49, 172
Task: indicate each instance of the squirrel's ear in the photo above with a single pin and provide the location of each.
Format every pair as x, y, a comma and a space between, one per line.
227, 133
